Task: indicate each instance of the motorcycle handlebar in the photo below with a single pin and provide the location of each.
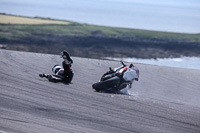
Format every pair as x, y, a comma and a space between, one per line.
122, 63
119, 67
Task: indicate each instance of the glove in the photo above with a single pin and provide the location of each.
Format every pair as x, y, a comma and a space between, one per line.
136, 79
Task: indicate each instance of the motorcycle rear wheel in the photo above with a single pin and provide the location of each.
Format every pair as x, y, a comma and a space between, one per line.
107, 84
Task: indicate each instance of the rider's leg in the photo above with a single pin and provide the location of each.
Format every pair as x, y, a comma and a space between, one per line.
51, 78
44, 75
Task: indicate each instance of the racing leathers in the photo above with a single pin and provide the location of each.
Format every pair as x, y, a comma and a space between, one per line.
61, 74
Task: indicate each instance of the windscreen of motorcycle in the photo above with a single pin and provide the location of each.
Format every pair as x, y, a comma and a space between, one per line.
129, 75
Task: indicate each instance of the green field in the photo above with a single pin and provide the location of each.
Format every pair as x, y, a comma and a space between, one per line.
71, 28
8, 19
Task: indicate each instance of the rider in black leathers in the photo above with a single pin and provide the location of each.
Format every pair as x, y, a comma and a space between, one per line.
61, 74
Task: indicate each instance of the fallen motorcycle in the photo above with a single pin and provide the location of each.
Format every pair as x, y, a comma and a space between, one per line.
116, 79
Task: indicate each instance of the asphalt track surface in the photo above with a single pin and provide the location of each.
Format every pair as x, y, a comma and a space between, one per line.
164, 100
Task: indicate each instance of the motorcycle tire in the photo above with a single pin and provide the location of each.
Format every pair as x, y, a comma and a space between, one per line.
107, 85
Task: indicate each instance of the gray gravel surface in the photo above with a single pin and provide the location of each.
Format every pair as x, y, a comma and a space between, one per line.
164, 100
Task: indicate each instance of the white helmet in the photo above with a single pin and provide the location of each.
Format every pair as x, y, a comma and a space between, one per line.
56, 68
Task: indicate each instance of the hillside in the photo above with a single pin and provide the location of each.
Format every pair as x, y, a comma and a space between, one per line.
92, 41
164, 100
